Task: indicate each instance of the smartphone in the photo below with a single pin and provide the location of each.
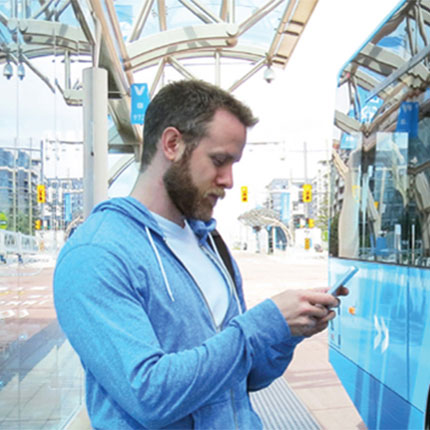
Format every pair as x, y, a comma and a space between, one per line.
343, 279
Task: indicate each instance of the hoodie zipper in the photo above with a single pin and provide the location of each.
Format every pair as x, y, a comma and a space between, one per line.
217, 328
232, 287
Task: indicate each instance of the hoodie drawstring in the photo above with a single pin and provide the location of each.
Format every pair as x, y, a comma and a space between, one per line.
160, 263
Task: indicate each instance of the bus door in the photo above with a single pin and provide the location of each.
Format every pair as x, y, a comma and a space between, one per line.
381, 302
419, 271
372, 328
380, 221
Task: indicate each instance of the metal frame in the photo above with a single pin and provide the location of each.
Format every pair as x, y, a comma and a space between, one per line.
97, 34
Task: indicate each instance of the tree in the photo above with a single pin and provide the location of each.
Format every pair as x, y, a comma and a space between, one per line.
323, 217
23, 223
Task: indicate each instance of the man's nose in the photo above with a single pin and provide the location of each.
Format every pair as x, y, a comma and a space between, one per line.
225, 177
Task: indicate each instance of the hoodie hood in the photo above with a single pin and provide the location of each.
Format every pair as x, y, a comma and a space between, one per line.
132, 208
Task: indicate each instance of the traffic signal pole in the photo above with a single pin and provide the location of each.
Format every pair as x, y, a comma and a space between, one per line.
305, 159
306, 203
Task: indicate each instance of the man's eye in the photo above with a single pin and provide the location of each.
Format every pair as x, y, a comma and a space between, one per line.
218, 161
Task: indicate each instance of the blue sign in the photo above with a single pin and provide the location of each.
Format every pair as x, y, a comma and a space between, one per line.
67, 207
139, 102
348, 141
285, 207
408, 118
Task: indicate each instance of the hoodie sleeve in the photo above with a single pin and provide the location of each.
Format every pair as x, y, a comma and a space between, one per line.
267, 365
106, 323
271, 363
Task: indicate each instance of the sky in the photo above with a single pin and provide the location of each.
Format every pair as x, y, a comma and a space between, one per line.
297, 107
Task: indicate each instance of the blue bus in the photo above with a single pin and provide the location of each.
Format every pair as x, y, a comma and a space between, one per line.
380, 222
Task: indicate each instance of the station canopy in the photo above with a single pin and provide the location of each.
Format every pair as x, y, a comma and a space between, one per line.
131, 37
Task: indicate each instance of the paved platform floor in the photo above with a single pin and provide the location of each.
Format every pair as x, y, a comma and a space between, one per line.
310, 374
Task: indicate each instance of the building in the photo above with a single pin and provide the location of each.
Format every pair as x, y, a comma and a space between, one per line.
321, 195
20, 172
64, 202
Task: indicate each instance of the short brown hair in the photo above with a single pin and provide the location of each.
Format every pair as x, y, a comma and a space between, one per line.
189, 106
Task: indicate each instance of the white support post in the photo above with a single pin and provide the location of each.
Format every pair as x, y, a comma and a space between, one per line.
95, 110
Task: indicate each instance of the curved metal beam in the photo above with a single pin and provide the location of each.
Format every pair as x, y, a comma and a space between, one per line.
181, 40
122, 164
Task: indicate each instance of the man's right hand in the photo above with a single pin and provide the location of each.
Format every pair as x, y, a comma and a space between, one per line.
307, 312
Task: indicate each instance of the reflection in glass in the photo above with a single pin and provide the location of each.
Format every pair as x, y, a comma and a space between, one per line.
40, 376
419, 206
389, 189
349, 215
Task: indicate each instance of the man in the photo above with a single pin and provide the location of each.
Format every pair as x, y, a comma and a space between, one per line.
145, 297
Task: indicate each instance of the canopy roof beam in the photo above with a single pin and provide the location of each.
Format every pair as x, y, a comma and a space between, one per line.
140, 21
201, 12
151, 37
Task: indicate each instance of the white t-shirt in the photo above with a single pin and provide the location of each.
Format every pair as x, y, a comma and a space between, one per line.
185, 245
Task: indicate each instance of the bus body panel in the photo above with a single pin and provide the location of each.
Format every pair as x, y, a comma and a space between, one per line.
380, 222
419, 336
373, 320
379, 407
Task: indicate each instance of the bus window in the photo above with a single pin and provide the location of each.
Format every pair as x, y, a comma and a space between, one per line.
347, 228
390, 187
419, 206
372, 218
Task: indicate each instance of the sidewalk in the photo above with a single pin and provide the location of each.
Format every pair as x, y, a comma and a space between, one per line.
310, 374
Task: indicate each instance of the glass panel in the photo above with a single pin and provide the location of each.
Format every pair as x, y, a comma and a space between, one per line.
262, 32
345, 224
419, 206
41, 383
388, 195
379, 198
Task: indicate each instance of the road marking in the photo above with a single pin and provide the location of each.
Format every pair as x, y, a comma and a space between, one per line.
9, 313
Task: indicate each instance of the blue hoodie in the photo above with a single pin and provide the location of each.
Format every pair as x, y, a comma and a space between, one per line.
152, 355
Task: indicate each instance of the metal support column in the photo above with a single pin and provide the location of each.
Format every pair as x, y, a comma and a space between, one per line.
95, 110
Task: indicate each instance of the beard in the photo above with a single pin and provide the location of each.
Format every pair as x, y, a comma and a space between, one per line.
185, 195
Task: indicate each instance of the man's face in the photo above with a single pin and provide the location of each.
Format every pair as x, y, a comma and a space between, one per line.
196, 181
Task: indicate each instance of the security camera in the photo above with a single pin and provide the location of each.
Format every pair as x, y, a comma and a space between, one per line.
269, 75
21, 71
8, 71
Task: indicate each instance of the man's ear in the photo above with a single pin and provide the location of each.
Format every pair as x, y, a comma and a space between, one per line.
172, 144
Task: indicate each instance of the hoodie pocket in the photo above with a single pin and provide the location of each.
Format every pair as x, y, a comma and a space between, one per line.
232, 412
215, 416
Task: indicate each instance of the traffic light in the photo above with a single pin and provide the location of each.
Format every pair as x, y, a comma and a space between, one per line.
38, 224
311, 223
41, 194
307, 193
244, 194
